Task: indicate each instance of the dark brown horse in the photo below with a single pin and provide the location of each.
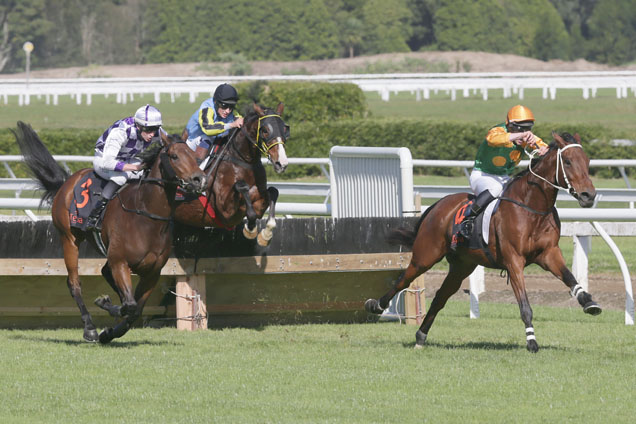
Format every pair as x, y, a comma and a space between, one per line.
524, 229
237, 183
136, 228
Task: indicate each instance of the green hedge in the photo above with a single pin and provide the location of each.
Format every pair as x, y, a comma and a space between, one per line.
431, 140
425, 139
306, 101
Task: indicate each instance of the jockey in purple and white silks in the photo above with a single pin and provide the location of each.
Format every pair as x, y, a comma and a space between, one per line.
115, 152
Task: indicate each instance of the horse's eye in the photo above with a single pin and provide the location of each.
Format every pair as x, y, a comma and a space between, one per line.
174, 156
567, 162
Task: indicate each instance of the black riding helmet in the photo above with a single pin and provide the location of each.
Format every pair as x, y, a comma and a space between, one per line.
225, 93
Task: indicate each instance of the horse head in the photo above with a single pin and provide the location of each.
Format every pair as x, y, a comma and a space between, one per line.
271, 135
176, 164
572, 168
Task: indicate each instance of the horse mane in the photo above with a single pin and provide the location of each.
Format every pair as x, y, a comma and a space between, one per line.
149, 156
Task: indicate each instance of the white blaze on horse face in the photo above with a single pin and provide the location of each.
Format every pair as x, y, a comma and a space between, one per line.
282, 156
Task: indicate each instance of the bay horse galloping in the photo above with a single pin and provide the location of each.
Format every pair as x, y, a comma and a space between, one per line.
136, 230
236, 179
524, 229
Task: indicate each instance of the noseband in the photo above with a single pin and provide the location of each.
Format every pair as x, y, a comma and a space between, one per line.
559, 164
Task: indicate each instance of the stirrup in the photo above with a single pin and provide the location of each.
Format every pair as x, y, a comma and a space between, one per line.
466, 227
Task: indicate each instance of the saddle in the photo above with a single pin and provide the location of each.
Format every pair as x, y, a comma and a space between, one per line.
86, 194
476, 240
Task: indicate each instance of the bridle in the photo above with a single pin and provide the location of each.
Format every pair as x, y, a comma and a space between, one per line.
559, 164
264, 145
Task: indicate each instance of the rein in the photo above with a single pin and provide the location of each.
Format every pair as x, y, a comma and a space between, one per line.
559, 163
172, 180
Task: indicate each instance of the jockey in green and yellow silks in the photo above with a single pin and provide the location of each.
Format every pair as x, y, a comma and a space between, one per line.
497, 157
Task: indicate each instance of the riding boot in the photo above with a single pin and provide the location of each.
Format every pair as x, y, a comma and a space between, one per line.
93, 220
478, 206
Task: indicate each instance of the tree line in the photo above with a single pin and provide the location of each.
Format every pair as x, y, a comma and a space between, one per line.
101, 32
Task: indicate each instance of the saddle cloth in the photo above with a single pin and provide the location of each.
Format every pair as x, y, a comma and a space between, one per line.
479, 237
86, 193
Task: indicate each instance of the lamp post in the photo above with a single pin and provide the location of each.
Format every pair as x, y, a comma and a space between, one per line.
28, 48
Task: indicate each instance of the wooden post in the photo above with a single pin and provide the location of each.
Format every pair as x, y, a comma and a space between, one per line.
415, 302
192, 313
418, 204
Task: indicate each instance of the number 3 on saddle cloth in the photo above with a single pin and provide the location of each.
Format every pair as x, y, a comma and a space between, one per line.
476, 240
86, 194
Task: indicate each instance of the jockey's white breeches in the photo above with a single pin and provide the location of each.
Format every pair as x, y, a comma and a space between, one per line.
480, 181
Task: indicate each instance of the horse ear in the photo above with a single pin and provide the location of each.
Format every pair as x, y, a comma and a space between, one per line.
577, 137
279, 109
163, 137
558, 139
258, 110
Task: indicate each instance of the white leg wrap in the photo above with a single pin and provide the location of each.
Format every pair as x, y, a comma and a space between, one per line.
530, 333
250, 234
576, 290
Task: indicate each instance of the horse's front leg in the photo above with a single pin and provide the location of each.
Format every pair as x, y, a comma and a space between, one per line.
517, 280
265, 236
128, 309
552, 260
249, 230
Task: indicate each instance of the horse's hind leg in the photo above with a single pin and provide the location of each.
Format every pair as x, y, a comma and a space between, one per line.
458, 270
552, 260
71, 254
421, 261
249, 230
266, 234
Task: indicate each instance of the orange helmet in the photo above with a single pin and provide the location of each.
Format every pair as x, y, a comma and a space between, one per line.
519, 114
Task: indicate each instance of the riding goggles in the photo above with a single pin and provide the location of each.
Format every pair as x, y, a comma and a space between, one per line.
149, 129
521, 126
226, 106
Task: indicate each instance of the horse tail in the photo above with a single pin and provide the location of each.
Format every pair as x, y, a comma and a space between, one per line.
406, 236
49, 174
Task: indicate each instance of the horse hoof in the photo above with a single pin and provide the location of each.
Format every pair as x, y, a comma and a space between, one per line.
90, 335
250, 234
264, 239
592, 308
106, 336
532, 346
420, 339
372, 306
102, 301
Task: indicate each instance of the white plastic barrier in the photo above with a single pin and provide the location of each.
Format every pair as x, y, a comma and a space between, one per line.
371, 181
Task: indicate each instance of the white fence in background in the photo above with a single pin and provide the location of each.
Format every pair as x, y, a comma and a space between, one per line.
422, 85
580, 231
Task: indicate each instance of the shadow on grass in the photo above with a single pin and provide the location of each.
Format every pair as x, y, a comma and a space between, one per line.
481, 346
78, 342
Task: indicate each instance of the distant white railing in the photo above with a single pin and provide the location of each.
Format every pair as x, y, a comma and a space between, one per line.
512, 83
